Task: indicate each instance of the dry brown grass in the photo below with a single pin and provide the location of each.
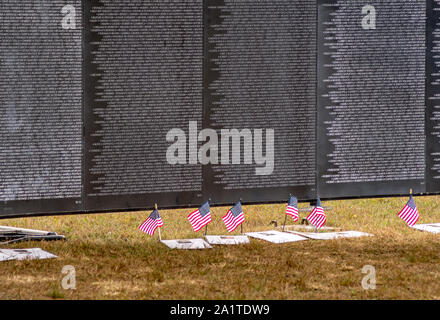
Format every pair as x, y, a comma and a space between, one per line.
114, 260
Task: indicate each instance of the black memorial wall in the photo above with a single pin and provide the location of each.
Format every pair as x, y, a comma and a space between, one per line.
328, 98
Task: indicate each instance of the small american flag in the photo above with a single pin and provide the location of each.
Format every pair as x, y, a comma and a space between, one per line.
153, 222
292, 208
317, 216
234, 217
201, 217
409, 213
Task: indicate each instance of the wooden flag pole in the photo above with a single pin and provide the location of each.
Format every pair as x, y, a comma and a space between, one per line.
410, 193
316, 228
241, 225
285, 216
206, 227
160, 236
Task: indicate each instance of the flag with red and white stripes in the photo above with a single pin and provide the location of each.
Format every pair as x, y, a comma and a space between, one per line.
409, 213
317, 216
234, 217
292, 208
153, 222
201, 217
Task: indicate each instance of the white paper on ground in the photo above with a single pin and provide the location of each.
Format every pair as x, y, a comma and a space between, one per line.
332, 235
227, 240
29, 231
276, 236
429, 227
23, 254
187, 244
308, 227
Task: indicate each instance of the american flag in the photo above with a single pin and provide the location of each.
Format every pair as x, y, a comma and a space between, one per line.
292, 208
409, 213
201, 217
317, 216
234, 217
153, 222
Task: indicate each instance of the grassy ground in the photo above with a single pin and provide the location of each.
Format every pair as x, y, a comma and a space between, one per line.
114, 260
